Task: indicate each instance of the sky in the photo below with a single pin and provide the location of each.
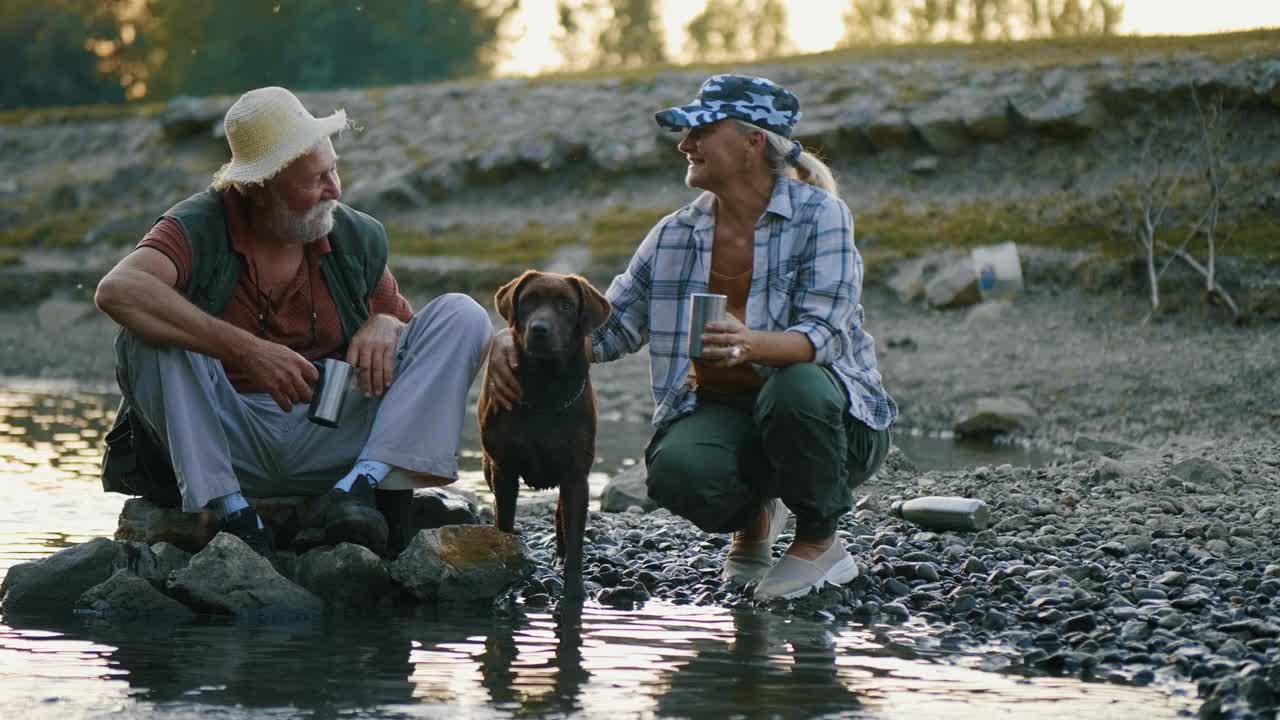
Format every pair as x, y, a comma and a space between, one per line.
817, 25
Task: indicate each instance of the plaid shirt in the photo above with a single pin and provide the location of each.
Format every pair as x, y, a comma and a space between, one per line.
807, 278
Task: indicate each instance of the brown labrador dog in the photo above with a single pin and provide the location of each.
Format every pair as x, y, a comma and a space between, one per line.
549, 439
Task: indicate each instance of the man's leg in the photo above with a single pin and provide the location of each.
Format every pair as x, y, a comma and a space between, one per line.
416, 426
213, 437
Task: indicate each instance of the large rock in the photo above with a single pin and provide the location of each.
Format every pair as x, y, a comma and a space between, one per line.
143, 521
229, 578
346, 575
889, 129
460, 563
1202, 472
956, 285
908, 279
437, 507
155, 563
56, 582
1107, 447
941, 127
626, 489
185, 117
1063, 109
126, 596
995, 416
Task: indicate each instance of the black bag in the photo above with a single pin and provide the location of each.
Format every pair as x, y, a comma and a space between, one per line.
136, 464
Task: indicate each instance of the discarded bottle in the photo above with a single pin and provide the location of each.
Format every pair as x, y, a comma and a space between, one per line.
944, 513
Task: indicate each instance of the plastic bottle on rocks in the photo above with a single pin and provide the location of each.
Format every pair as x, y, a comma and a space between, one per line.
944, 513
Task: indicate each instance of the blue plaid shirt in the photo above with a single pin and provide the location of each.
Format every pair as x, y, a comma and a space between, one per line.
807, 278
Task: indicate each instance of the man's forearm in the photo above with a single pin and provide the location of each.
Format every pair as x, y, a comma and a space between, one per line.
155, 312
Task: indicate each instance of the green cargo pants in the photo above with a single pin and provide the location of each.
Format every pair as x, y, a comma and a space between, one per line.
793, 439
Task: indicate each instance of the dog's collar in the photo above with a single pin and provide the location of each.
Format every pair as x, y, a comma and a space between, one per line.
564, 405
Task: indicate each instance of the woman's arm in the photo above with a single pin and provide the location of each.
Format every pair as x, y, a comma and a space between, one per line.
825, 300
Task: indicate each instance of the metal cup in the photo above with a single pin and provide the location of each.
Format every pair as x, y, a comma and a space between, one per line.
330, 391
703, 308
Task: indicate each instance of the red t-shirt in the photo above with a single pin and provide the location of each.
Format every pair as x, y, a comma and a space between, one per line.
301, 316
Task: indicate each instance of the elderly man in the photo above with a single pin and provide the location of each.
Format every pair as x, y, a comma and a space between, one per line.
233, 294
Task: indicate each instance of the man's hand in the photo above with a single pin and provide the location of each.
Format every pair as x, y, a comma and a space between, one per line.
284, 374
373, 353
726, 342
504, 361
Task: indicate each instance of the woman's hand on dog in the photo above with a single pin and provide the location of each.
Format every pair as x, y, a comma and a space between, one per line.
504, 361
373, 353
726, 342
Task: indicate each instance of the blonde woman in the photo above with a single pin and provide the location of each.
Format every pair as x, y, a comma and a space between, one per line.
785, 409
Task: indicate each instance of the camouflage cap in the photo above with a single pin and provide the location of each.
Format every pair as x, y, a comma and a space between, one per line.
756, 100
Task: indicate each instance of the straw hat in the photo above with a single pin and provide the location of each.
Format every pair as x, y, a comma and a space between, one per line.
267, 129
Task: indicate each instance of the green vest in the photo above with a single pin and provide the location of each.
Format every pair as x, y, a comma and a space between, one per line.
351, 271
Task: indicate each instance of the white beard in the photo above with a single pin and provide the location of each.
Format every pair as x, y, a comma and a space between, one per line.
301, 229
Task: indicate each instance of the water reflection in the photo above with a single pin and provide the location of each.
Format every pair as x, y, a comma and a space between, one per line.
660, 660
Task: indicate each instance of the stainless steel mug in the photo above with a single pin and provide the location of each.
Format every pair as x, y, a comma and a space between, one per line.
330, 391
703, 308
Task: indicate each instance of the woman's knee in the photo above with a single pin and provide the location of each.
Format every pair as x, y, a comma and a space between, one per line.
803, 391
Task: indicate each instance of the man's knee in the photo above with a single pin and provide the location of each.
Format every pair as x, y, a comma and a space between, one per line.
466, 320
800, 392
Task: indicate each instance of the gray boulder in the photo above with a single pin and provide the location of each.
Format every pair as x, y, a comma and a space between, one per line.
1067, 113
143, 521
155, 563
460, 563
908, 279
941, 127
56, 582
889, 129
126, 596
346, 575
626, 489
995, 416
185, 117
437, 507
1107, 447
229, 578
955, 286
1202, 472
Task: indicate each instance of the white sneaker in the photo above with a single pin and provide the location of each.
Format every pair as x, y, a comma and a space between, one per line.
748, 562
795, 577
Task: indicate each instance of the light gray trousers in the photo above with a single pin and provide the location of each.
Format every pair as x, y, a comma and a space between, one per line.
221, 441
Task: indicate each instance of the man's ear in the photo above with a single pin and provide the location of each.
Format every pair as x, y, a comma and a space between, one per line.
594, 308
508, 297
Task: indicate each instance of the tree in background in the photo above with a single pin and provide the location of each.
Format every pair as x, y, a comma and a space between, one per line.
201, 47
54, 51
87, 51
888, 21
611, 34
739, 30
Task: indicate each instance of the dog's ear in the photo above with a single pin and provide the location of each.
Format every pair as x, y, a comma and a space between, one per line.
594, 308
508, 297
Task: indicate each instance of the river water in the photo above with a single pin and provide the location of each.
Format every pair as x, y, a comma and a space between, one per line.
659, 660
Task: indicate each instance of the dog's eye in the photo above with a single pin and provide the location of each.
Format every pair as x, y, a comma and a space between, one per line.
566, 305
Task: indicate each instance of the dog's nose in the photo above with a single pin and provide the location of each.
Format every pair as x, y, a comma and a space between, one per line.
539, 328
